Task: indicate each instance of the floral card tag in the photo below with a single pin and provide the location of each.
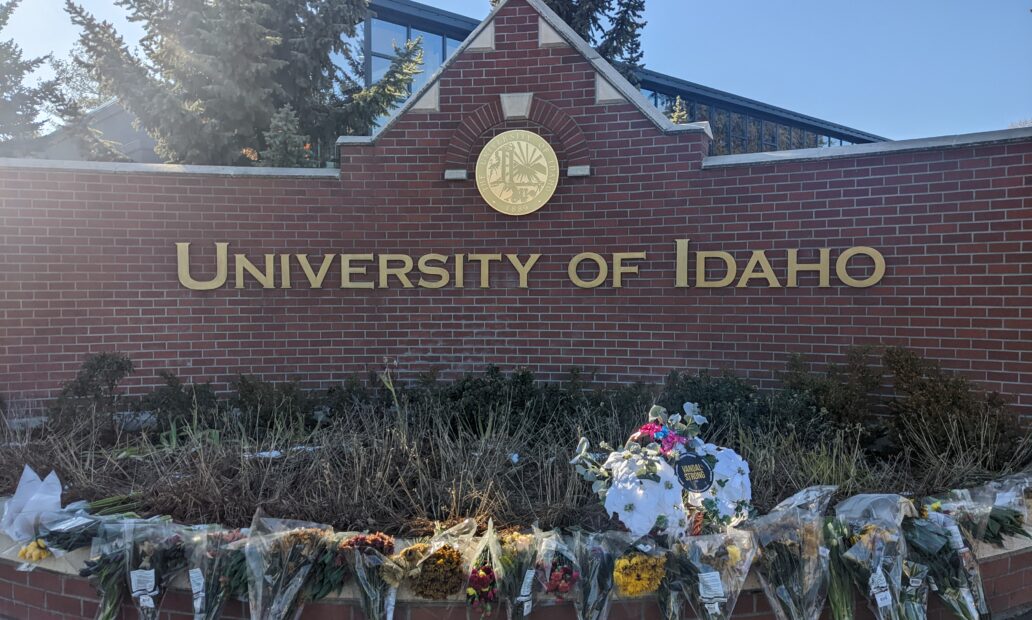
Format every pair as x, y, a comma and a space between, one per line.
197, 587
141, 582
694, 473
525, 596
710, 587
880, 589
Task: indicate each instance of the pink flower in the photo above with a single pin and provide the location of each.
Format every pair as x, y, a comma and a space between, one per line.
650, 429
671, 441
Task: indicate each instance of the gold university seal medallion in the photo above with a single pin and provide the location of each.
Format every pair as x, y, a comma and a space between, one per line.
517, 172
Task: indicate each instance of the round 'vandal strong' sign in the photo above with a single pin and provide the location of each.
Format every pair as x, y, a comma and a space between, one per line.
517, 172
694, 473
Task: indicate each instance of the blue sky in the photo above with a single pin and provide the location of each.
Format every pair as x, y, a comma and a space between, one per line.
897, 68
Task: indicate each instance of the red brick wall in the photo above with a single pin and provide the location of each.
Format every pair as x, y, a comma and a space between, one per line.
88, 259
43, 595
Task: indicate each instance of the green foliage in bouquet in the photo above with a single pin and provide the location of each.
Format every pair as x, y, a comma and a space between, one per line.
1004, 522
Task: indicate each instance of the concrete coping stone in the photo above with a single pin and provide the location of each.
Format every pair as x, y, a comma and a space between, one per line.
123, 167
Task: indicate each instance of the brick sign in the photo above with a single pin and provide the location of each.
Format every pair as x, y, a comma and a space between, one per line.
648, 255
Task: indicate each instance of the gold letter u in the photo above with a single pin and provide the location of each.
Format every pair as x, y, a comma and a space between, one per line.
221, 267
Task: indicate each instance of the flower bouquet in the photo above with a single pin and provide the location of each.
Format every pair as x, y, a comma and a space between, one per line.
155, 553
640, 569
557, 566
1007, 510
443, 570
709, 571
485, 572
661, 466
516, 584
914, 595
596, 557
218, 571
280, 555
840, 579
369, 554
792, 564
331, 569
966, 521
932, 543
878, 550
106, 570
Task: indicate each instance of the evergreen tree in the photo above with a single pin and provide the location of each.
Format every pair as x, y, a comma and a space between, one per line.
612, 27
213, 73
21, 105
76, 84
286, 146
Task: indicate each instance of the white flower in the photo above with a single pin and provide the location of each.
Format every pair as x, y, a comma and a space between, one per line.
691, 410
639, 503
731, 491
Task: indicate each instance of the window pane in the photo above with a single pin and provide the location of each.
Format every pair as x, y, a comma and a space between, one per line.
380, 66
433, 45
452, 45
386, 35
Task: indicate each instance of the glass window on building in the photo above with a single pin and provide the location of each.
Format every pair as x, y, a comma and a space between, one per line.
385, 36
433, 56
450, 45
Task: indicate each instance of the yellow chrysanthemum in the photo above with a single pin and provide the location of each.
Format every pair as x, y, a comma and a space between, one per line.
637, 574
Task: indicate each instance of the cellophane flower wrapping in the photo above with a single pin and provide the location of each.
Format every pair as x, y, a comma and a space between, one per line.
815, 499
596, 555
105, 569
485, 573
938, 544
557, 566
367, 555
914, 596
280, 555
155, 553
218, 570
516, 585
877, 548
72, 531
442, 572
1007, 507
709, 572
640, 566
958, 511
334, 566
792, 563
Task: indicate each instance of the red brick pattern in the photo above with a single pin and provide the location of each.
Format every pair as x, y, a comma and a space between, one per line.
88, 259
43, 595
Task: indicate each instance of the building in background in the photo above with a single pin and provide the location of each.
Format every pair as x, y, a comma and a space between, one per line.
739, 124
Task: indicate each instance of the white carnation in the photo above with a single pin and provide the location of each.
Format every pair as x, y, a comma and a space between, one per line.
639, 503
731, 491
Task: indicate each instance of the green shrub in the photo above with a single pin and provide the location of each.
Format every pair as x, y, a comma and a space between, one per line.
263, 405
848, 392
953, 431
176, 403
93, 392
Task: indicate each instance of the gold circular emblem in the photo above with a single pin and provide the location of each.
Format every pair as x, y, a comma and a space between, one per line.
517, 172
